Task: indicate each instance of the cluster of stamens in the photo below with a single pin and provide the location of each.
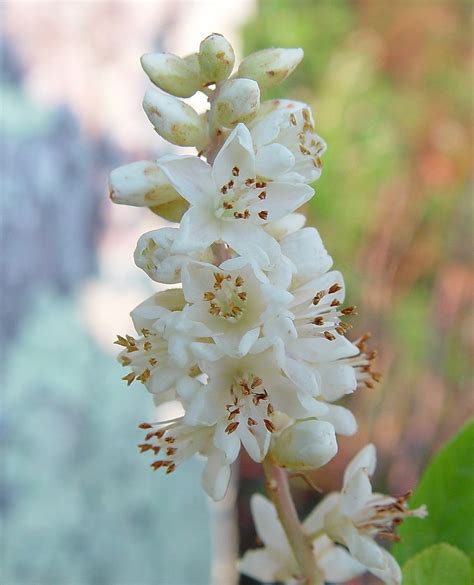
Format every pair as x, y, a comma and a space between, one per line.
227, 299
309, 145
144, 352
240, 193
383, 519
174, 441
248, 392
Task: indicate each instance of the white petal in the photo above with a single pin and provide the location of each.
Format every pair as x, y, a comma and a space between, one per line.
252, 242
306, 250
366, 458
336, 380
273, 160
248, 341
356, 492
341, 418
282, 199
315, 520
267, 524
391, 573
199, 229
216, 475
237, 151
229, 443
205, 408
191, 177
364, 549
261, 564
302, 375
162, 379
339, 566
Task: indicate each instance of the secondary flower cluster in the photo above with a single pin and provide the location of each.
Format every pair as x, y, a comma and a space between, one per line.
253, 344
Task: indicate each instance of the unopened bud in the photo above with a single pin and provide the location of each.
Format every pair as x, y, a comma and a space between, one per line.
174, 120
177, 76
238, 101
216, 58
306, 444
270, 66
141, 184
153, 255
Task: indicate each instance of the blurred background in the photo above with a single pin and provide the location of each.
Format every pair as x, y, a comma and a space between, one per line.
390, 84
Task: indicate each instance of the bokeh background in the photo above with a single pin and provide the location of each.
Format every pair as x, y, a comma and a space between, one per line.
391, 88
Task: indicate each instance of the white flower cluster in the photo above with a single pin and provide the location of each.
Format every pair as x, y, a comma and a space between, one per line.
253, 344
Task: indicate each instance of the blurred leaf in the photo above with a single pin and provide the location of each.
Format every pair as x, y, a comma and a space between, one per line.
447, 488
438, 565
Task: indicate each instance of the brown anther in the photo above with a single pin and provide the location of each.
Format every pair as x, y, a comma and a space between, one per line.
238, 215
126, 361
224, 189
293, 120
369, 384
121, 341
269, 425
348, 311
147, 346
156, 450
236, 171
256, 382
376, 376
270, 409
170, 440
148, 436
146, 332
215, 310
170, 469
171, 451
227, 205
246, 214
129, 378
329, 336
233, 413
304, 150
242, 296
219, 279
263, 214
341, 330
251, 422
157, 464
317, 162
249, 182
334, 288
260, 184
231, 427
145, 425
236, 310
209, 296
160, 434
318, 296
218, 131
144, 447
262, 195
144, 376
335, 303
230, 184
239, 281
318, 321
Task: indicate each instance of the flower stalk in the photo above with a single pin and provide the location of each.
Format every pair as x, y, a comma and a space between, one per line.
278, 489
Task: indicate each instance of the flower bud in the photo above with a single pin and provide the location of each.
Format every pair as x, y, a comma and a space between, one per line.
306, 444
174, 120
177, 76
141, 184
237, 101
270, 66
153, 255
216, 58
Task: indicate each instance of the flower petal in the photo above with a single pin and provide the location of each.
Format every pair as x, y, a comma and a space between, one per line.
262, 565
315, 519
191, 177
366, 458
216, 475
341, 418
197, 231
267, 524
273, 160
356, 492
236, 152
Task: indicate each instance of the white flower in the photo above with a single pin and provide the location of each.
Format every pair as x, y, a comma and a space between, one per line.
154, 255
175, 442
164, 356
232, 301
229, 203
240, 399
275, 561
287, 146
305, 444
356, 516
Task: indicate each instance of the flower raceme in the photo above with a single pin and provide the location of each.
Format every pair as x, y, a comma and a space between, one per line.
252, 346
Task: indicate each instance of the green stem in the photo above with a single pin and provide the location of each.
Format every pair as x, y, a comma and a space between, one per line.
279, 491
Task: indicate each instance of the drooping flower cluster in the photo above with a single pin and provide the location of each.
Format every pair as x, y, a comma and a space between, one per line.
253, 344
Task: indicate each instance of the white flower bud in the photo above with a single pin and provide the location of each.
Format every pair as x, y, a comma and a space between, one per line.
174, 120
306, 444
216, 58
237, 101
270, 66
141, 184
179, 77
